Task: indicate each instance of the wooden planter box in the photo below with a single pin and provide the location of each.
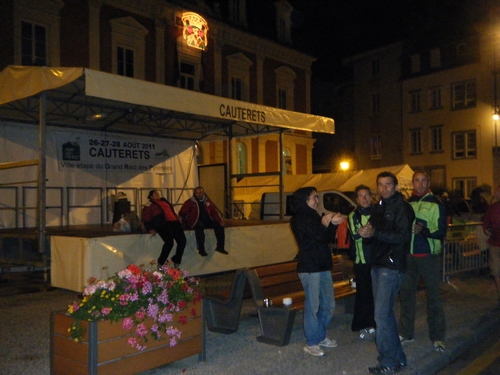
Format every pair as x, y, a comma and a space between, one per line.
105, 350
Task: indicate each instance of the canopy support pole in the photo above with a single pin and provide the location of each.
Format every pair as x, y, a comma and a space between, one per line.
42, 172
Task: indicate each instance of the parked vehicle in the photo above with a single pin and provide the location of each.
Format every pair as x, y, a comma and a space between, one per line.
329, 201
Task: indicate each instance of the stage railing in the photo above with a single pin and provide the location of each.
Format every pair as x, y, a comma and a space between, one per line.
464, 249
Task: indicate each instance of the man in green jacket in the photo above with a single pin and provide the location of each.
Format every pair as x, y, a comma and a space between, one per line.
424, 261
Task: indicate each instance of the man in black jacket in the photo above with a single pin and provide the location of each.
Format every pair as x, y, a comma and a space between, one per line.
390, 228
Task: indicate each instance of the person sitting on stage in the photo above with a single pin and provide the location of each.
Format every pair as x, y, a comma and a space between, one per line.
198, 213
159, 217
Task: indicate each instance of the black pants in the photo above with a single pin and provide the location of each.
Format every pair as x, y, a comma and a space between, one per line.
364, 308
199, 232
170, 231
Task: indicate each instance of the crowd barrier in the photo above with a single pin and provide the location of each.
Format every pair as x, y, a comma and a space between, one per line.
465, 249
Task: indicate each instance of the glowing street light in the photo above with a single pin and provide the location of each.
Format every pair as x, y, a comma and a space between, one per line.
344, 165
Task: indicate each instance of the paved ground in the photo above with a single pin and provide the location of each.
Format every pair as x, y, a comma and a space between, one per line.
472, 314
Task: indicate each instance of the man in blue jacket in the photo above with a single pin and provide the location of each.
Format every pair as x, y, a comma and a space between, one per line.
424, 261
389, 228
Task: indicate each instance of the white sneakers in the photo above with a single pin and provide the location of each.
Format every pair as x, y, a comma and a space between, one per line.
316, 350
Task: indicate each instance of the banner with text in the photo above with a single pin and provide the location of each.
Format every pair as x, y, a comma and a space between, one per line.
113, 152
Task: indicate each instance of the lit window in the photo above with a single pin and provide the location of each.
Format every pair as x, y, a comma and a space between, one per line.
464, 185
464, 145
288, 161
241, 158
436, 138
33, 44
464, 94
375, 147
416, 141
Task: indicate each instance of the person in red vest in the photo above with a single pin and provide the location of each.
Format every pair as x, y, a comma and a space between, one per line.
200, 213
159, 217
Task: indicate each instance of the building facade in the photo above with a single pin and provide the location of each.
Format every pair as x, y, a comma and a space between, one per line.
237, 49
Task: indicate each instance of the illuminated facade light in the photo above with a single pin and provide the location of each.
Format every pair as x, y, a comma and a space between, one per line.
195, 30
344, 165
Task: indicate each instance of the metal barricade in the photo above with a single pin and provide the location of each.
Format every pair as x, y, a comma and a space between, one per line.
464, 249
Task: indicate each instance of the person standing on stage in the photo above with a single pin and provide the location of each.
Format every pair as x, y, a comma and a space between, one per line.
200, 213
424, 262
159, 217
363, 318
314, 267
390, 228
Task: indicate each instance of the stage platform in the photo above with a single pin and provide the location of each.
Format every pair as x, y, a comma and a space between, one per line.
80, 252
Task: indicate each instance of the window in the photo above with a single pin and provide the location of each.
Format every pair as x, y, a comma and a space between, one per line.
416, 141
283, 22
288, 161
33, 44
436, 138
415, 64
236, 88
241, 158
375, 104
125, 62
285, 78
128, 46
415, 101
36, 32
465, 185
464, 145
238, 66
237, 9
435, 98
375, 67
435, 58
464, 94
187, 76
375, 147
281, 98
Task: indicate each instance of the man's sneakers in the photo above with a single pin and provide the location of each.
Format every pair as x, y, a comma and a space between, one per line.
314, 350
367, 334
385, 369
405, 340
203, 253
327, 343
439, 346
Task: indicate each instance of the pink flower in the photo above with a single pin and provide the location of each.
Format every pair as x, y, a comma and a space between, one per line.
128, 323
105, 310
141, 330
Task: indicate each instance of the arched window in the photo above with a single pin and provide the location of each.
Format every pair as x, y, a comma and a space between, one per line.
241, 158
288, 161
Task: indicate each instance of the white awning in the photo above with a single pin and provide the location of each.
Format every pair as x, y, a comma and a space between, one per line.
130, 105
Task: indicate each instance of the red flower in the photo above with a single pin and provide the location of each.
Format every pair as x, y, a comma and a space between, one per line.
193, 312
134, 269
183, 319
182, 304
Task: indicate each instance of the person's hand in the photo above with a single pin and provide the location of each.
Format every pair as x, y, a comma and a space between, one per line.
366, 231
326, 219
338, 218
417, 228
222, 224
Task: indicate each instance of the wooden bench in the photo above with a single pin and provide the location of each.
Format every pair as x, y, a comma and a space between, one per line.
277, 281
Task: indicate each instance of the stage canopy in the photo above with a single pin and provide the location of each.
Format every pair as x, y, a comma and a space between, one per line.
94, 100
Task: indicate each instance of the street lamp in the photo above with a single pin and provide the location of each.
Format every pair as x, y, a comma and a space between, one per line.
344, 165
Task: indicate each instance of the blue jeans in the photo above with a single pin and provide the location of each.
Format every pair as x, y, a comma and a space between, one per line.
386, 284
318, 305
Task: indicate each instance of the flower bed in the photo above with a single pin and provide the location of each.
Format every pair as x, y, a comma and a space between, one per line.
132, 322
